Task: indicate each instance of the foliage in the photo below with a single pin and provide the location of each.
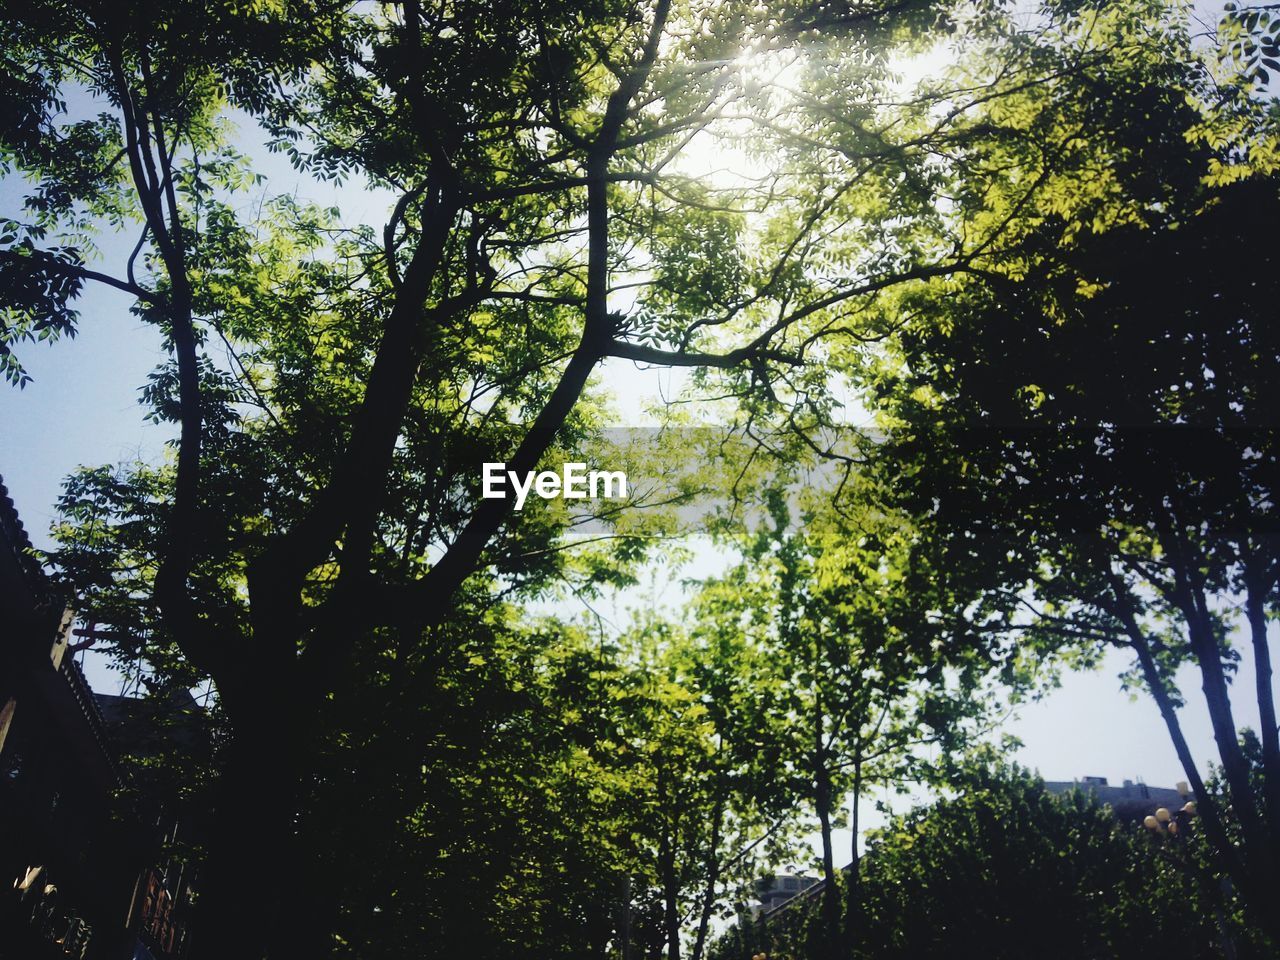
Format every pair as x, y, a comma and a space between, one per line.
482, 772
1005, 864
438, 769
852, 690
1085, 427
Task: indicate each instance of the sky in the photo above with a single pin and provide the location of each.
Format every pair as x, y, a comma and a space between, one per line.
82, 408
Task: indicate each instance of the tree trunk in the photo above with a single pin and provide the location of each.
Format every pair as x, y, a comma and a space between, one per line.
626, 918
1255, 608
1189, 595
830, 894
1257, 903
671, 906
853, 894
251, 856
713, 877
667, 869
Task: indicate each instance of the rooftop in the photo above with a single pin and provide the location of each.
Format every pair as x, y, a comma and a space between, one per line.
25, 591
1129, 801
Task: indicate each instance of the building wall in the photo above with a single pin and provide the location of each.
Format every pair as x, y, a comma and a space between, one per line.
67, 864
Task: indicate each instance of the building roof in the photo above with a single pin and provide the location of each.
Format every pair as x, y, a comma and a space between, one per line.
783, 891
25, 592
1130, 801
35, 620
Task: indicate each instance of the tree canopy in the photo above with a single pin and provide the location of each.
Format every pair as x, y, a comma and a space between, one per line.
1017, 308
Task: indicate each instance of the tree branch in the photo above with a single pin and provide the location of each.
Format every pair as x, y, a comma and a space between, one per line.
688, 358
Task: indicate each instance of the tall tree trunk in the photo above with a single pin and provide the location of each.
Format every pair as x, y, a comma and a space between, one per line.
667, 871
1261, 864
853, 893
626, 918
1257, 901
713, 878
1189, 595
251, 857
1258, 587
822, 800
1226, 735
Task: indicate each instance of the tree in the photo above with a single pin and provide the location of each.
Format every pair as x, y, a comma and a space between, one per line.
1086, 427
494, 825
702, 802
1000, 861
318, 511
319, 514
854, 684
1006, 864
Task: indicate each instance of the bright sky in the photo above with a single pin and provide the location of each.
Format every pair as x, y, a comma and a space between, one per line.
81, 408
